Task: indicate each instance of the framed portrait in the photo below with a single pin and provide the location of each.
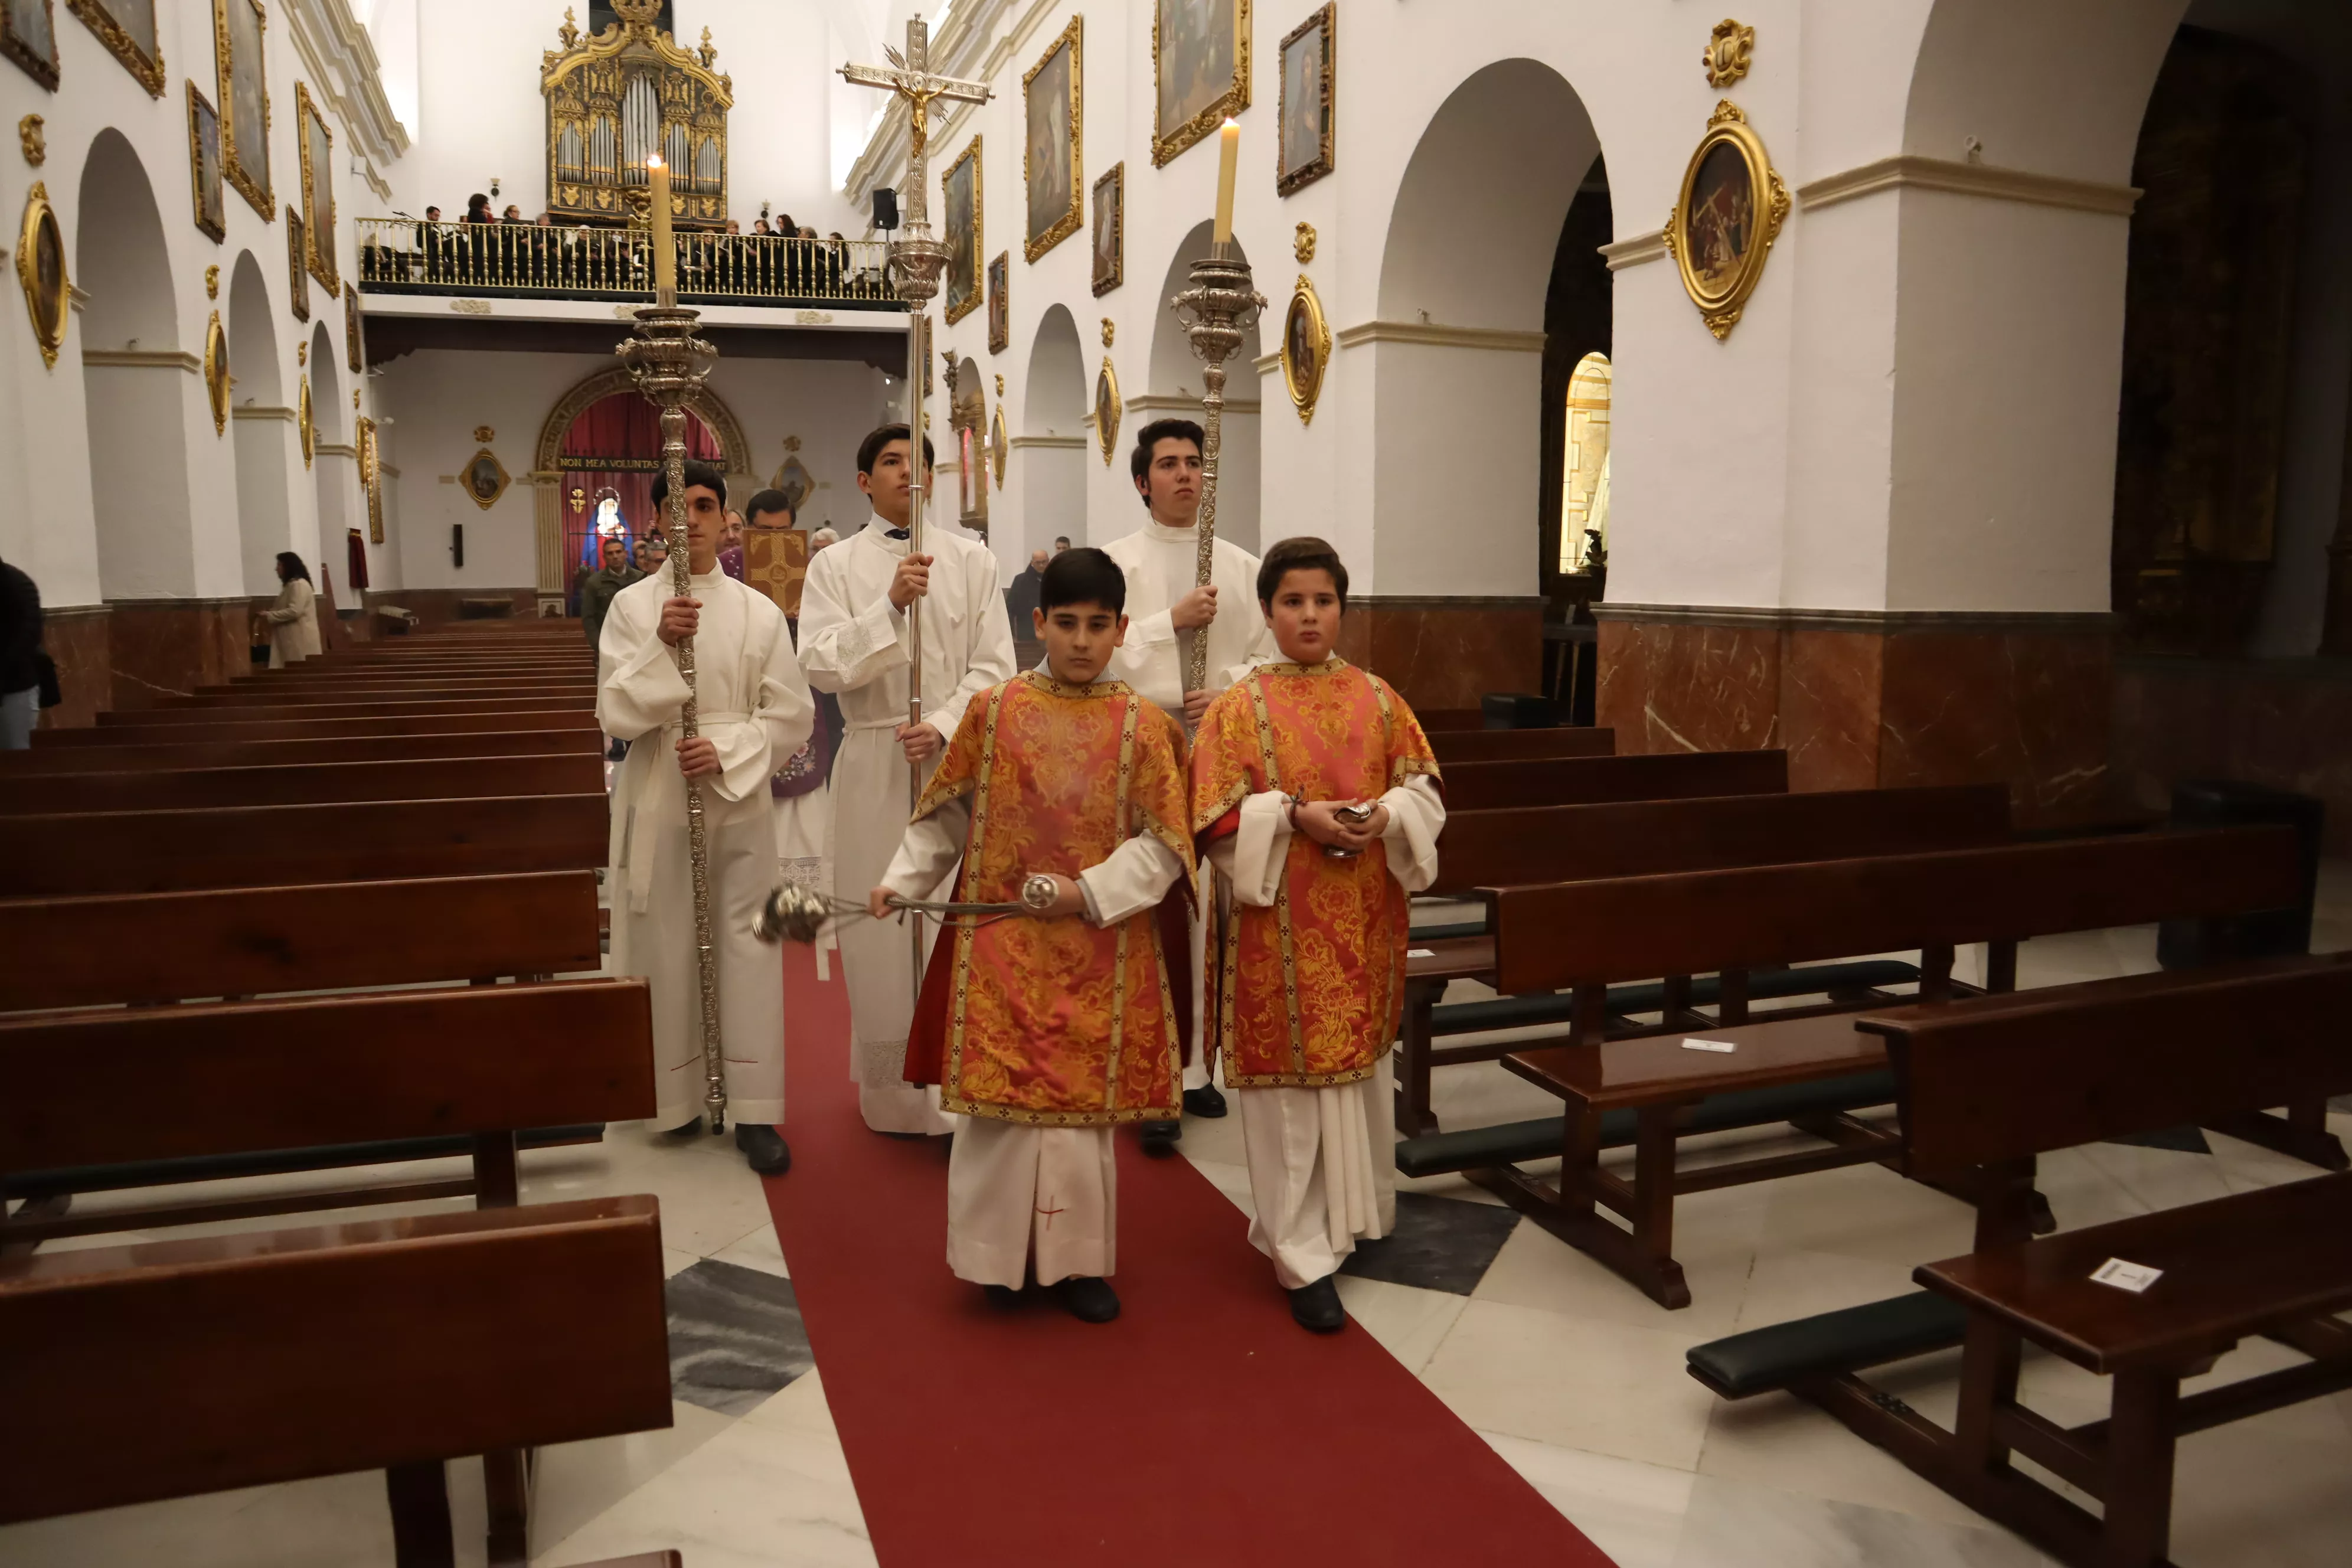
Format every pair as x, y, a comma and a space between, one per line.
298, 266
1108, 409
1000, 305
1726, 217
793, 482
127, 28
960, 187
1306, 349
306, 421
371, 479
318, 186
971, 476
41, 270
205, 165
1200, 71
237, 28
1304, 151
484, 478
998, 446
217, 376
1052, 95
28, 35
354, 332
1111, 230
923, 348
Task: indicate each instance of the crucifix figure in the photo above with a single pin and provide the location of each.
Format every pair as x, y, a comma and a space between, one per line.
909, 75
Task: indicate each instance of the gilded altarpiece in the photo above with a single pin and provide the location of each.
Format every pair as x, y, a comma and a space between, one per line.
623, 95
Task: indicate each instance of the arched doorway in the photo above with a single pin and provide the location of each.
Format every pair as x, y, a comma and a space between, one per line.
264, 430
1053, 440
1174, 392
335, 463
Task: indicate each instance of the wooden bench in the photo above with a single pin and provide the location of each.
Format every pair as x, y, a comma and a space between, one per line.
2106, 1059
1588, 934
156, 789
154, 718
167, 732
192, 752
1455, 747
339, 692
1496, 786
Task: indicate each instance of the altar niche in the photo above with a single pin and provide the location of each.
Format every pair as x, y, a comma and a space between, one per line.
625, 94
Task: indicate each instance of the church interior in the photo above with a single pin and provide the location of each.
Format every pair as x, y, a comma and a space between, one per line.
1862, 1094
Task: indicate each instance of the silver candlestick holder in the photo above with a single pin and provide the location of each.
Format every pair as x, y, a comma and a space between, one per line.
1217, 312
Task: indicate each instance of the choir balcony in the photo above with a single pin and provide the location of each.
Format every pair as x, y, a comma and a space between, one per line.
545, 261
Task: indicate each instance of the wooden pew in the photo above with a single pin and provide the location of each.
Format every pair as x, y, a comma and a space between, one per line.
73, 951
158, 789
2104, 1059
583, 702
1455, 747
282, 729
1566, 843
1681, 775
1586, 935
192, 752
275, 845
341, 693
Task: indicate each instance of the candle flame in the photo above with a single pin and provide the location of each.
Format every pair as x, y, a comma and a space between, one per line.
652, 160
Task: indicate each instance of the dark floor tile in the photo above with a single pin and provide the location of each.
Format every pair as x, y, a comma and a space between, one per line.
735, 1336
1440, 1244
2188, 1140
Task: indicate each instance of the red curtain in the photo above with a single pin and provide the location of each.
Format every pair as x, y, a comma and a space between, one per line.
625, 427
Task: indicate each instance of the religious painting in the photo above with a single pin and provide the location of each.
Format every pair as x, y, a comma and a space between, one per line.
923, 349
1200, 71
1000, 306
306, 421
1108, 409
318, 186
1306, 349
1304, 114
793, 482
960, 186
484, 478
999, 448
354, 338
371, 479
41, 270
1726, 216
1052, 98
127, 28
28, 35
1111, 230
217, 376
237, 28
297, 266
205, 165
971, 477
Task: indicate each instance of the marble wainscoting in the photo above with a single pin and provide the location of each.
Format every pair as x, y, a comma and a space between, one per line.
1446, 653
2285, 722
436, 607
1864, 700
77, 638
168, 647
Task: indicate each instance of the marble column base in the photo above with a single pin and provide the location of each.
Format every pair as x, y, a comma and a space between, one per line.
1872, 701
1446, 653
168, 647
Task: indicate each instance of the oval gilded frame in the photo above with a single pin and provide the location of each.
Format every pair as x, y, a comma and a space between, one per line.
998, 446
306, 420
217, 376
1109, 410
48, 304
1721, 299
1305, 326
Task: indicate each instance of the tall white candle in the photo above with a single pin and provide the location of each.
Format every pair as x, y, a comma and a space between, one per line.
1229, 150
664, 248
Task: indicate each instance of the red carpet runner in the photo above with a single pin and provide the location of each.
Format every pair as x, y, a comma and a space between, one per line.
1180, 1435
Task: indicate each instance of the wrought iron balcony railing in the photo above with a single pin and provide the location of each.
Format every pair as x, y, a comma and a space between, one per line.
550, 262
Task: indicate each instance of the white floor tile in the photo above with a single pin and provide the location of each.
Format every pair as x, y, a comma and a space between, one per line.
1409, 1322
1630, 1511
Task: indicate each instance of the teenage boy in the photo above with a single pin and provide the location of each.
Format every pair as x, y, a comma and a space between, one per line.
1065, 790
1167, 614
753, 710
856, 643
1316, 796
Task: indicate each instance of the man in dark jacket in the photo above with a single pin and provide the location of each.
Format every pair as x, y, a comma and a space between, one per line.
20, 650
597, 593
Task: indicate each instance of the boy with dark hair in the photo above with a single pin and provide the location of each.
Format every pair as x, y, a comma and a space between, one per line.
1066, 790
1316, 795
856, 642
752, 711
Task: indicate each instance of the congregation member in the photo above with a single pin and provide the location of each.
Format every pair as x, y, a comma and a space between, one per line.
293, 618
856, 642
752, 710
1316, 795
20, 659
597, 593
1167, 614
1063, 789
1021, 601
731, 546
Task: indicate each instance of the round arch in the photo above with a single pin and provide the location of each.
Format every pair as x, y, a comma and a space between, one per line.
335, 468
262, 426
1173, 388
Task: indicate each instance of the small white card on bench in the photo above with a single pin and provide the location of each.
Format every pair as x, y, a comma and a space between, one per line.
1421, 952
1723, 1048
2131, 1276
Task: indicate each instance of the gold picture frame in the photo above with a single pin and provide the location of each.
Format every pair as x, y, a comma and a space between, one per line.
318, 146
306, 421
1185, 62
484, 478
298, 266
999, 445
142, 57
354, 332
1306, 63
960, 285
216, 377
28, 35
41, 270
1727, 215
372, 479
239, 30
1000, 302
1111, 230
1053, 172
1306, 348
1108, 410
204, 182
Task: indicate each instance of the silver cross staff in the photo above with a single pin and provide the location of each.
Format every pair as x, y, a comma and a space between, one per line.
916, 261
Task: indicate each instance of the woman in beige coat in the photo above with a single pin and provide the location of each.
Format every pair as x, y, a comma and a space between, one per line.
293, 620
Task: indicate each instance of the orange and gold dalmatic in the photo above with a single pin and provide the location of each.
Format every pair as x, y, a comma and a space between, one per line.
1309, 991
1055, 1023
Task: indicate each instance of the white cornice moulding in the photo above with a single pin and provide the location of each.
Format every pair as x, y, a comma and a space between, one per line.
144, 358
343, 71
336, 449
1019, 441
387, 471
1495, 340
1635, 249
1910, 172
257, 411
1160, 402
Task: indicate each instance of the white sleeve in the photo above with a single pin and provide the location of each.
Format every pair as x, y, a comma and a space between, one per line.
841, 648
1416, 816
642, 690
929, 850
1136, 876
782, 715
991, 649
1252, 860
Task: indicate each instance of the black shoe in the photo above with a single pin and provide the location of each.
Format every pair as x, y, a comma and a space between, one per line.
769, 1153
683, 1130
1204, 1101
1003, 1297
1089, 1301
1316, 1307
1159, 1138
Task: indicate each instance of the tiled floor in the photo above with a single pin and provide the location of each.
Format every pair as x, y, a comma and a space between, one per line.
1575, 1379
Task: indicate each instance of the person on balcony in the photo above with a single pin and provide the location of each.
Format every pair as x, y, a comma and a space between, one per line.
474, 243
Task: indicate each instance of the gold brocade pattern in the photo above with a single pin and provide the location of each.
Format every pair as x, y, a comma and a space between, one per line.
1310, 991
1054, 1021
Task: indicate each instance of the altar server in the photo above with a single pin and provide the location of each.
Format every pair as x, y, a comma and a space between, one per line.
753, 710
1063, 789
1315, 794
855, 641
